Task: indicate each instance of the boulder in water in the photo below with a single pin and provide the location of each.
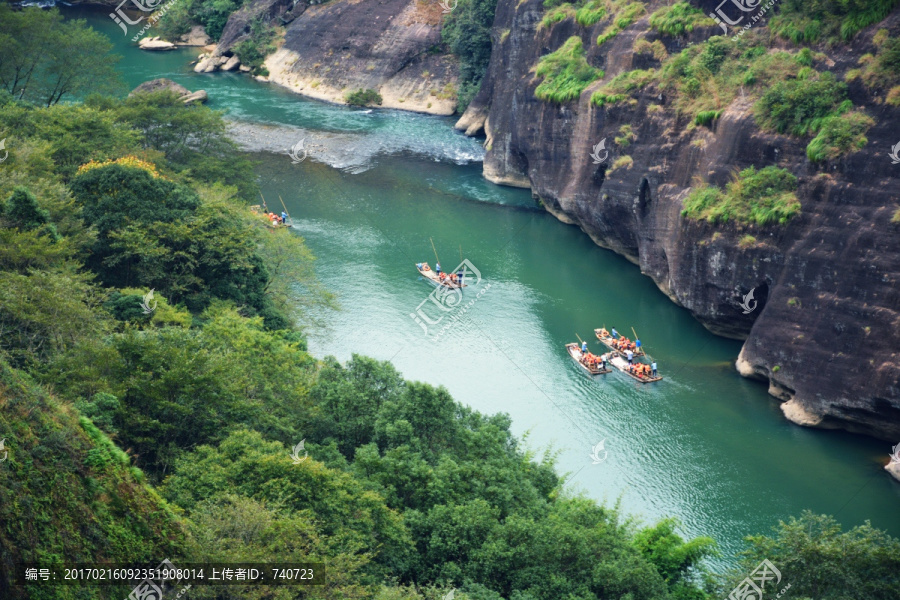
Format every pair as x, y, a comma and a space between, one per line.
155, 44
156, 85
231, 64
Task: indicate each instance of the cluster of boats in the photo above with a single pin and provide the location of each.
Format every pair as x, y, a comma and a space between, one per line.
625, 355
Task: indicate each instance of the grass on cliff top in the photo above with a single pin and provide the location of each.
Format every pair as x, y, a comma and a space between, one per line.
829, 21
763, 197
566, 73
678, 19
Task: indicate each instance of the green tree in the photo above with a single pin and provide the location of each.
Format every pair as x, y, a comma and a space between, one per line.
22, 210
819, 560
467, 31
47, 59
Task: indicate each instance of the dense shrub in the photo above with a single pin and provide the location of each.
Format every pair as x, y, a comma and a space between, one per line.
763, 197
799, 106
840, 134
566, 73
363, 98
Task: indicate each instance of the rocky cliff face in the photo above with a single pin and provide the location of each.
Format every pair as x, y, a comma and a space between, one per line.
825, 332
391, 46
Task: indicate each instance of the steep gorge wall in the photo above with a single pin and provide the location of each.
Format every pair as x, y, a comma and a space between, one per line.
330, 49
826, 331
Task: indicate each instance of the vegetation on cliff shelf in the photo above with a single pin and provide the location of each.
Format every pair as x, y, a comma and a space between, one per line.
258, 44
467, 32
799, 106
617, 90
831, 21
586, 12
881, 71
46, 59
363, 98
623, 15
566, 73
763, 197
678, 19
840, 134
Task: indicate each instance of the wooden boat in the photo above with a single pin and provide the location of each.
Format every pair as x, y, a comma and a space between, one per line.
429, 274
609, 341
621, 364
575, 352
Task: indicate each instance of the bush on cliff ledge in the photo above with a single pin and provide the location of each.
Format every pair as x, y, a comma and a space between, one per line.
763, 197
565, 73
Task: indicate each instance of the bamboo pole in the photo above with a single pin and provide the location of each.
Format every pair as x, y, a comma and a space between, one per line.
286, 210
435, 250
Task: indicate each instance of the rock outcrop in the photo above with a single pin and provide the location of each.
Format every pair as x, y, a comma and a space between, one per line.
155, 44
157, 85
329, 50
825, 329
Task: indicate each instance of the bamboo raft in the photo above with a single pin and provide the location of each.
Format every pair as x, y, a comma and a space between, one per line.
609, 341
621, 364
429, 274
575, 353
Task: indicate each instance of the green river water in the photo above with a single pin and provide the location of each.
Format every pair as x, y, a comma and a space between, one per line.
704, 444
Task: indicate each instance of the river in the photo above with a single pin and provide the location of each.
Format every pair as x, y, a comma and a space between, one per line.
703, 445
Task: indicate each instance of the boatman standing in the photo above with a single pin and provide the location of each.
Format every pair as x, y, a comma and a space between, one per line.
583, 347
630, 356
437, 269
459, 276
637, 345
653, 367
615, 333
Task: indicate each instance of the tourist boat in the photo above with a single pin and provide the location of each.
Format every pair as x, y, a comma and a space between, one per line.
575, 352
429, 274
609, 341
619, 362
